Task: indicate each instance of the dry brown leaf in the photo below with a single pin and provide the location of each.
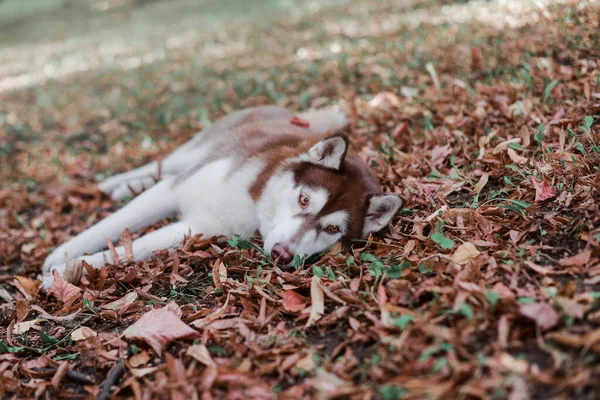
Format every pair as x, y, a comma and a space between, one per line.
465, 252
542, 313
22, 310
22, 327
578, 260
572, 307
318, 301
516, 158
439, 154
160, 326
139, 359
83, 333
481, 183
63, 290
73, 271
293, 301
542, 190
219, 274
201, 323
201, 354
44, 314
127, 240
27, 286
119, 304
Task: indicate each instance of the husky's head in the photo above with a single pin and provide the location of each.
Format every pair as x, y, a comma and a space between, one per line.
320, 198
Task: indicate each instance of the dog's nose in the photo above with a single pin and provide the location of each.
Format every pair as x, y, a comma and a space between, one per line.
281, 254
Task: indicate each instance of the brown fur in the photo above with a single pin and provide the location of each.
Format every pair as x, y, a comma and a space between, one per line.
350, 189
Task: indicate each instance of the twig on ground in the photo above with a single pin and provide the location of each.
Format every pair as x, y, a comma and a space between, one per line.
113, 377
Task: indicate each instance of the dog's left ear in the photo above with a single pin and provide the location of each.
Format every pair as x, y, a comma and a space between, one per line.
382, 208
329, 152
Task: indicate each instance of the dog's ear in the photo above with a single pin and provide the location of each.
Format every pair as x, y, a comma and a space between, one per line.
329, 152
382, 208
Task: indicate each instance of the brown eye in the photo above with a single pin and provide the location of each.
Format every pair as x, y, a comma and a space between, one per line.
333, 229
303, 200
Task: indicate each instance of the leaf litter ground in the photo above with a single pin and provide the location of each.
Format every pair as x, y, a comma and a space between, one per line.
485, 116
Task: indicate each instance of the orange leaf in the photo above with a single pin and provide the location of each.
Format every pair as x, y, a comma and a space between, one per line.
293, 301
28, 286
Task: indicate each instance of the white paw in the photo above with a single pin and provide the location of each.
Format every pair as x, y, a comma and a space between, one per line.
122, 192
70, 272
58, 256
48, 276
110, 184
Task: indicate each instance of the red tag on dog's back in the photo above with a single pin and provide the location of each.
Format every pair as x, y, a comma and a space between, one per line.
300, 122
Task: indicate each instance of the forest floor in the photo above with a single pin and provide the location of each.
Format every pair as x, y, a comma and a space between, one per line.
484, 115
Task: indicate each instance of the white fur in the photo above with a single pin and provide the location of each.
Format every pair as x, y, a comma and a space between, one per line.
336, 146
215, 200
281, 217
326, 121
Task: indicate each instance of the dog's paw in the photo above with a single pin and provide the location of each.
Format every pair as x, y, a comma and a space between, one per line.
48, 275
110, 184
70, 272
53, 259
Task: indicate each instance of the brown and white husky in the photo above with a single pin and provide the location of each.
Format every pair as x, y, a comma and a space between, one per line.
261, 169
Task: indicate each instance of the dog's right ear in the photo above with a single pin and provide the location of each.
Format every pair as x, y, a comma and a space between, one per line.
329, 152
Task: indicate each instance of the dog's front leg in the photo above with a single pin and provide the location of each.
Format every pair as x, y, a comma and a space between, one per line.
146, 209
164, 238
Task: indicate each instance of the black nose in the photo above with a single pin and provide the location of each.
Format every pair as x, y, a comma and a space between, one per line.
281, 254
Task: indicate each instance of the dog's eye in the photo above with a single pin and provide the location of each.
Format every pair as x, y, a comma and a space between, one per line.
333, 229
303, 200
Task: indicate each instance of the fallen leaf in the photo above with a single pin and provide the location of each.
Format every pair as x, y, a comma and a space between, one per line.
63, 290
82, 333
201, 323
22, 310
542, 190
318, 301
465, 252
22, 327
28, 286
160, 326
439, 154
293, 301
516, 158
481, 183
44, 314
73, 271
572, 307
543, 314
385, 101
503, 291
119, 304
60, 374
578, 260
127, 240
201, 354
139, 359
